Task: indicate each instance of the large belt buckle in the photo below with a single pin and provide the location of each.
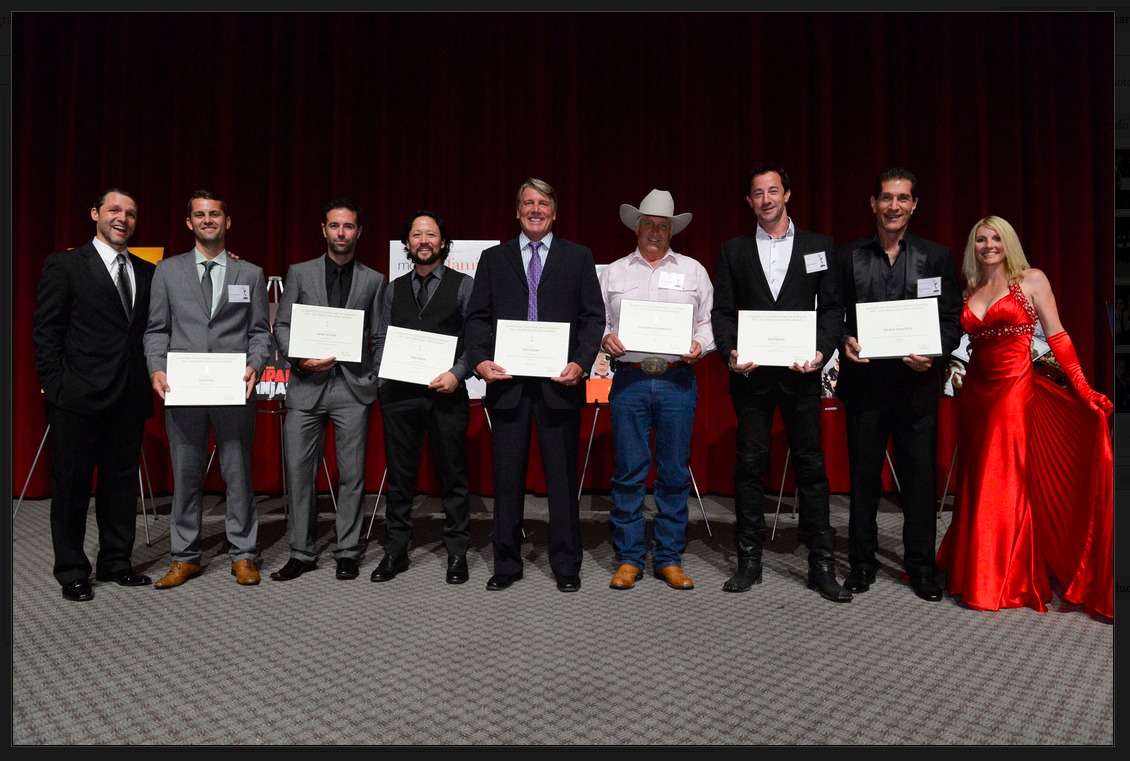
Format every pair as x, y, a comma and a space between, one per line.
654, 366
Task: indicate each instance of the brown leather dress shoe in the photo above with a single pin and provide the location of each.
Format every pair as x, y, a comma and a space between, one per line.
625, 577
178, 574
245, 572
675, 577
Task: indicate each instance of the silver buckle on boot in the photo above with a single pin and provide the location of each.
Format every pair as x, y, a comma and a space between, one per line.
653, 366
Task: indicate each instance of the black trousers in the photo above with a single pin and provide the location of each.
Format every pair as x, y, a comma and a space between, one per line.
801, 416
910, 420
109, 444
445, 418
559, 433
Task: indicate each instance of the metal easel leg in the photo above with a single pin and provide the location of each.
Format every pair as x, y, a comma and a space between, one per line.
780, 494
377, 504
893, 474
701, 506
31, 470
585, 467
946, 488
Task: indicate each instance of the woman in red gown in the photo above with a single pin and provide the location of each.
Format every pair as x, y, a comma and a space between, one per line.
1035, 493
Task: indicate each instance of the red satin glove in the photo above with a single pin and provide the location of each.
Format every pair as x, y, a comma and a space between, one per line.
1064, 351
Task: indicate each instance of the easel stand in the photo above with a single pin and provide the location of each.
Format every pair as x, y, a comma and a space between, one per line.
143, 467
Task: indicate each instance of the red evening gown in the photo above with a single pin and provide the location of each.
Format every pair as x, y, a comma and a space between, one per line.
1035, 492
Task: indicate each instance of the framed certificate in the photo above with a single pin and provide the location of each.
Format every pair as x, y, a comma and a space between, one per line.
320, 332
533, 348
656, 327
776, 338
898, 328
416, 356
205, 379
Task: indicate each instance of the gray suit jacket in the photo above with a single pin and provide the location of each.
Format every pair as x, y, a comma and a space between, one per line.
306, 284
178, 320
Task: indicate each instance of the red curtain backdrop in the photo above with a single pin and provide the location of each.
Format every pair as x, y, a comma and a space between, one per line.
1003, 113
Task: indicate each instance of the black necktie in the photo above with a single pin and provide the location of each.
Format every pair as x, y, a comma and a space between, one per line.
124, 289
422, 291
206, 285
335, 287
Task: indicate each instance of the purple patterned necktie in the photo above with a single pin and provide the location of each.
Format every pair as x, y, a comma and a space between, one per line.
533, 275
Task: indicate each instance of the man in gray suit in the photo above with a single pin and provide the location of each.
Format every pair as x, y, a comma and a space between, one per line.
323, 390
206, 301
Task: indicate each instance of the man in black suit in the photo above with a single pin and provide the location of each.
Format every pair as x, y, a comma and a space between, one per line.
89, 321
565, 290
778, 267
433, 299
894, 398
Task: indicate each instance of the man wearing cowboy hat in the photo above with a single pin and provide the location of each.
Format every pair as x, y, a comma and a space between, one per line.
653, 391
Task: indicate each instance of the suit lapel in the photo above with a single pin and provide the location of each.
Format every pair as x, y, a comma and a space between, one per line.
102, 276
513, 254
318, 274
751, 260
915, 268
356, 285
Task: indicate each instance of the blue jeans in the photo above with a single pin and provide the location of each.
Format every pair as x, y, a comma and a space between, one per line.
641, 404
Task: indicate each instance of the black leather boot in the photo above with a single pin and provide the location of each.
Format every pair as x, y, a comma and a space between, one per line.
749, 573
822, 578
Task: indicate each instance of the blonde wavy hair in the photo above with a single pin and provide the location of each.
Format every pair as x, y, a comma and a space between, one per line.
1014, 260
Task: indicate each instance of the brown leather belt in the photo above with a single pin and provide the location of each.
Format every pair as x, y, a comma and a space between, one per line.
650, 365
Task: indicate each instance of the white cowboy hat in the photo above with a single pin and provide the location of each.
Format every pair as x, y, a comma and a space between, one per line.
658, 203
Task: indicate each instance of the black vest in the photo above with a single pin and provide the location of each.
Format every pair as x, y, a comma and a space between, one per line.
441, 314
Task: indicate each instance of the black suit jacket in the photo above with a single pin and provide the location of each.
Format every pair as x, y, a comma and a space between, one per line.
568, 291
89, 356
740, 283
926, 259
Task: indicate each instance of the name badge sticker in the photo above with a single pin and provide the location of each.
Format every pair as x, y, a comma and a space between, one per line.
671, 280
929, 286
817, 262
238, 293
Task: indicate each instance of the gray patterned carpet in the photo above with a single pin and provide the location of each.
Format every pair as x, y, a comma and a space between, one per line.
415, 661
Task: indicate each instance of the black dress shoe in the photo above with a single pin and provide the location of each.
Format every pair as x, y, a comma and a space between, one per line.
126, 578
502, 580
859, 580
749, 573
389, 566
457, 569
293, 569
78, 590
927, 587
570, 583
347, 569
823, 580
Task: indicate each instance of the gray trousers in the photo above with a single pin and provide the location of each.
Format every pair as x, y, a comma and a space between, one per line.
233, 429
304, 434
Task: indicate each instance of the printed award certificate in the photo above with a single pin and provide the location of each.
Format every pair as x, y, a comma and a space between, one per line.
205, 379
320, 332
416, 356
656, 327
776, 339
898, 328
537, 349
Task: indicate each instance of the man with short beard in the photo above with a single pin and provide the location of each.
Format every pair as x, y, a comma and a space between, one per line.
434, 299
323, 390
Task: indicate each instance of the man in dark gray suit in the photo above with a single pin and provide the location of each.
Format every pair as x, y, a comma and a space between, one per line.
323, 390
205, 301
565, 289
89, 321
778, 267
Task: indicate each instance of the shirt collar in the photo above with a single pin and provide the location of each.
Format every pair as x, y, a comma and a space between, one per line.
524, 241
221, 259
108, 253
762, 235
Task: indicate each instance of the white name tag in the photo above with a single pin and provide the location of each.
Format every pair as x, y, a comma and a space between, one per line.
929, 286
671, 280
237, 293
815, 262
